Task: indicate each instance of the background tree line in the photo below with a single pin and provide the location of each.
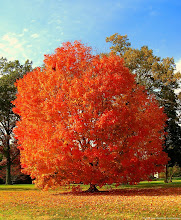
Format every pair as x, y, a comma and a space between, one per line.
156, 74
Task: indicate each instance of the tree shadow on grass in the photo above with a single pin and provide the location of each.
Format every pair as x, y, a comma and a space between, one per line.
174, 191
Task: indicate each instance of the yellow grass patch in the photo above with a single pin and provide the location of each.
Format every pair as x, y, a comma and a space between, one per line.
117, 204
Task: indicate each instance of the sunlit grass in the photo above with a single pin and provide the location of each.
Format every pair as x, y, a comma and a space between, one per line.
18, 187
146, 200
144, 184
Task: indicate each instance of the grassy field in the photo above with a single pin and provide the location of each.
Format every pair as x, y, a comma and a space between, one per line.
153, 200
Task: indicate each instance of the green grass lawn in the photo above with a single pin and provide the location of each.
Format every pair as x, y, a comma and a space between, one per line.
144, 184
152, 200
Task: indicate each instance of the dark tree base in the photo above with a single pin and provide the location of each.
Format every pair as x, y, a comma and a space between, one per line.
92, 189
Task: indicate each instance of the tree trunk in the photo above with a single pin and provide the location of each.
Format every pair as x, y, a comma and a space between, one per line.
166, 174
170, 181
8, 165
171, 174
8, 173
92, 188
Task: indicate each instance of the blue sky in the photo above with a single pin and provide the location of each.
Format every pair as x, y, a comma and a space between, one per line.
30, 29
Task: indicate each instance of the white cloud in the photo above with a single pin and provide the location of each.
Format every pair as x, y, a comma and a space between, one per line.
119, 5
35, 36
22, 46
55, 21
178, 68
178, 65
12, 46
1, 46
10, 39
59, 28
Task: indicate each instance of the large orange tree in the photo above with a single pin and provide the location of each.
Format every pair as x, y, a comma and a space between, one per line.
84, 119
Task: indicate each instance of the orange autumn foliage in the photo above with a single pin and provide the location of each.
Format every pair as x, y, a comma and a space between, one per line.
84, 119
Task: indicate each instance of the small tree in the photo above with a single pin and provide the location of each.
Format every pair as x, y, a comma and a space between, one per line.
9, 72
84, 119
16, 175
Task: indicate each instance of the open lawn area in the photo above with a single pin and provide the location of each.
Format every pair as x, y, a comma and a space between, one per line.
153, 200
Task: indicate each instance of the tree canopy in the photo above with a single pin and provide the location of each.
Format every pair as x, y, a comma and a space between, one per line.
85, 119
160, 78
150, 70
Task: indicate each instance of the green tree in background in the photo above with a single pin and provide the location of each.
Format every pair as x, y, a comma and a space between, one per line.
10, 71
161, 79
